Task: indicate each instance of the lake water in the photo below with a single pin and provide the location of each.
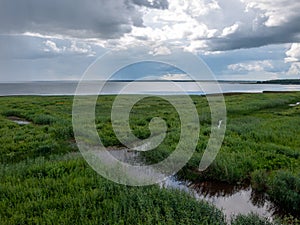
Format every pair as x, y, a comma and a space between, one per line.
69, 88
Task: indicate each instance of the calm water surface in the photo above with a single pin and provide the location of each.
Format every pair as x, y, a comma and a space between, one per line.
69, 88
231, 199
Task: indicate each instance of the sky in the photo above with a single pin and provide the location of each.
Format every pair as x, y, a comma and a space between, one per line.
238, 39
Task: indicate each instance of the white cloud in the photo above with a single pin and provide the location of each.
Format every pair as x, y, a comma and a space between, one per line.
254, 66
293, 54
294, 69
175, 77
50, 46
207, 25
230, 30
293, 58
277, 12
161, 50
176, 27
194, 7
196, 46
81, 48
74, 48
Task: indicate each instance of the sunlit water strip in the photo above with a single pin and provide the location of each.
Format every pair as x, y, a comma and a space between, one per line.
69, 88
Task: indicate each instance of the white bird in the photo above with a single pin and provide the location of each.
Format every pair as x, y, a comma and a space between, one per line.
220, 123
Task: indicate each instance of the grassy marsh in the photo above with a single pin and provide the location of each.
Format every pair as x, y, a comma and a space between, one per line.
43, 179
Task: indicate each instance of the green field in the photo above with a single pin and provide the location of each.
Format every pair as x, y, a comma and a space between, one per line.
44, 179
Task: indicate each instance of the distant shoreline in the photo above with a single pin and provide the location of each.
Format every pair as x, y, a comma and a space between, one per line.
192, 94
278, 81
69, 88
281, 81
126, 81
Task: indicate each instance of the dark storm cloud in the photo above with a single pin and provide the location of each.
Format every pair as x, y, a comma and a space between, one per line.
245, 37
87, 19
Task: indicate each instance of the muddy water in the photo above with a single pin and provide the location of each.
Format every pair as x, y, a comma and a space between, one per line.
18, 120
231, 199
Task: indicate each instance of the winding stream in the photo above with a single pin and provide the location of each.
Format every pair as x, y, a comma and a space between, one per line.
231, 199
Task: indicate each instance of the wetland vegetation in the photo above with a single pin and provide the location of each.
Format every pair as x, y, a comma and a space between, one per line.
44, 179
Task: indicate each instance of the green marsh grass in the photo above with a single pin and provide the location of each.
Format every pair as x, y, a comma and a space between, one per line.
65, 190
261, 145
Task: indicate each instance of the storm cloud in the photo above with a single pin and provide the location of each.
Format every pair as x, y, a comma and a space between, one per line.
241, 24
58, 39
247, 37
84, 19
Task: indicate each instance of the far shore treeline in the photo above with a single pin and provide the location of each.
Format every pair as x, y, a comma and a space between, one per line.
281, 81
